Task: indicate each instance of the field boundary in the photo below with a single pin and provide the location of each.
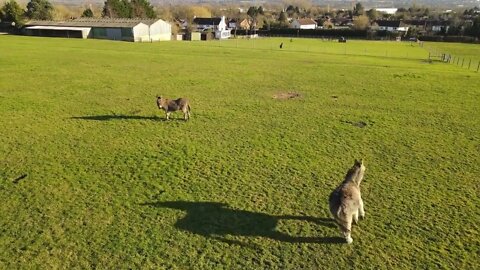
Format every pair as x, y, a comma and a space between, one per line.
462, 62
342, 51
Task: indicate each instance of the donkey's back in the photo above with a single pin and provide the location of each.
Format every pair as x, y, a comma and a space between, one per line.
177, 104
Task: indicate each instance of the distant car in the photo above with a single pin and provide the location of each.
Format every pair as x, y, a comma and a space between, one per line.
342, 39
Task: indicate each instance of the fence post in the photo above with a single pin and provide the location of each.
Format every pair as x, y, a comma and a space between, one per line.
469, 63
478, 68
463, 60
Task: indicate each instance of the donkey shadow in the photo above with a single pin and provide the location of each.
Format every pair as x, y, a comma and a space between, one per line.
108, 117
217, 220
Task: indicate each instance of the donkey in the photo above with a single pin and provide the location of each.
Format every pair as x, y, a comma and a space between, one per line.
173, 105
346, 203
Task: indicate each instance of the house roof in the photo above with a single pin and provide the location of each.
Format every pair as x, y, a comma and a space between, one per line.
119, 20
306, 21
387, 23
58, 28
207, 21
416, 22
84, 22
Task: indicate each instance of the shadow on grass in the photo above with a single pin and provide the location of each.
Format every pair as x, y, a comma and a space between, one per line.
124, 117
216, 220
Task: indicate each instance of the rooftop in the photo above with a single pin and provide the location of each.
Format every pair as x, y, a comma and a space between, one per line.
90, 22
306, 21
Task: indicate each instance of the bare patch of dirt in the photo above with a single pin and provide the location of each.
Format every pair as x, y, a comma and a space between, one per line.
289, 95
360, 124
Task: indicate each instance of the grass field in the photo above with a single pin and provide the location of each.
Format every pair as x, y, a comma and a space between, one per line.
91, 176
469, 51
466, 56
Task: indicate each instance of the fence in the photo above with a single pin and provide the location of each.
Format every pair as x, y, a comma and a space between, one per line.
461, 61
383, 49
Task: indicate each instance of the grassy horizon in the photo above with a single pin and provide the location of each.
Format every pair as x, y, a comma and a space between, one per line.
107, 183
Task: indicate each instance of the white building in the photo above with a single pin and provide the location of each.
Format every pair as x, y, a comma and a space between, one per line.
390, 11
392, 26
303, 24
136, 30
218, 25
160, 30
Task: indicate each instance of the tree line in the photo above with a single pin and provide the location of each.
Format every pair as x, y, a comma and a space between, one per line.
13, 13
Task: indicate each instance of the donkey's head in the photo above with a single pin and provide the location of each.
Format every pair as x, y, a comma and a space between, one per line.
160, 102
360, 168
355, 173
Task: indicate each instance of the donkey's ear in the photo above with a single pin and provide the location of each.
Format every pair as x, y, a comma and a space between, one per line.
358, 163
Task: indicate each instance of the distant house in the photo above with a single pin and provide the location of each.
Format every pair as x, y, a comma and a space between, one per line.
216, 25
392, 26
242, 24
439, 26
136, 30
303, 24
181, 23
342, 22
232, 24
425, 26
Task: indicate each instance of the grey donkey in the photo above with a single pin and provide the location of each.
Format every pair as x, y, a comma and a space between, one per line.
172, 105
346, 203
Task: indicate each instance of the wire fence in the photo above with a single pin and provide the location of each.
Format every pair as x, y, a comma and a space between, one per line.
384, 49
469, 63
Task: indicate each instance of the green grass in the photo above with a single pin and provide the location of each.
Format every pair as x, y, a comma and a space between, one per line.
325, 46
470, 51
466, 56
245, 183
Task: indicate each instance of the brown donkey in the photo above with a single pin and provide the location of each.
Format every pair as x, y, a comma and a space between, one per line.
172, 105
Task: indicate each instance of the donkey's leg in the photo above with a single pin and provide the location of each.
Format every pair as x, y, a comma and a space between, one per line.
185, 115
344, 222
347, 230
361, 211
168, 115
355, 216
